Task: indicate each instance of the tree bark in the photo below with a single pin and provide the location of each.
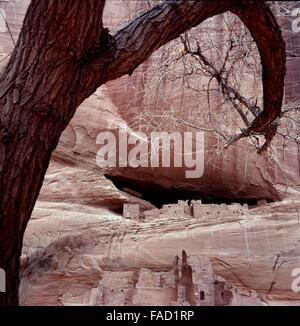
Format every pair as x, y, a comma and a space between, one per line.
40, 88
62, 56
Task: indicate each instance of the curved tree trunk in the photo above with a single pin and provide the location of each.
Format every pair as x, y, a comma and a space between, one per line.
40, 89
62, 56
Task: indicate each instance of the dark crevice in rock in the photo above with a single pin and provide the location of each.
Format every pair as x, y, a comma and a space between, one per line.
159, 196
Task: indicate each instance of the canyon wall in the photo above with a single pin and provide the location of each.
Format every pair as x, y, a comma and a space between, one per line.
77, 238
68, 251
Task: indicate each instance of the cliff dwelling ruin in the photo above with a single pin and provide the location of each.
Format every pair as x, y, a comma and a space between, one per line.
185, 209
191, 282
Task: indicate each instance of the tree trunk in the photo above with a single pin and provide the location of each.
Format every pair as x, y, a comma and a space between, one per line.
62, 55
40, 89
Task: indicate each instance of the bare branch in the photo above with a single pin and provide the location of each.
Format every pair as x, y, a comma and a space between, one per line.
166, 21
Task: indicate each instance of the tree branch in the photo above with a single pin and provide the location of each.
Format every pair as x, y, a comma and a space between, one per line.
166, 21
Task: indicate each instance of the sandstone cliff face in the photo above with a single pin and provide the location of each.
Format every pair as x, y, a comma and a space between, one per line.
77, 227
190, 281
236, 174
71, 253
